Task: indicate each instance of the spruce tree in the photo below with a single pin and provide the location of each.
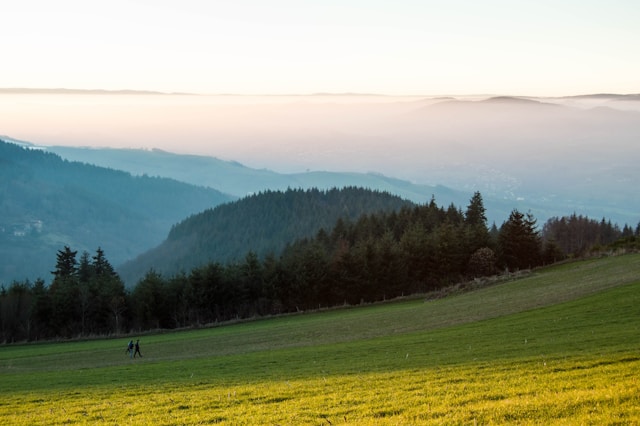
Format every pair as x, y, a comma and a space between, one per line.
65, 294
476, 232
519, 242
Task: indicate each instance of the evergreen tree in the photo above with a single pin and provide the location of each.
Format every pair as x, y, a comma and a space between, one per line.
151, 306
519, 242
86, 295
449, 256
476, 233
476, 213
390, 272
65, 294
41, 311
15, 303
252, 278
109, 294
273, 277
418, 254
66, 264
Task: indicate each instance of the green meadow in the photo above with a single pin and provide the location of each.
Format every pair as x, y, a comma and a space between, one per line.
560, 345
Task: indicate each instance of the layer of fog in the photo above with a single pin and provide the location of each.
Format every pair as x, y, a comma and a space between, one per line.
542, 148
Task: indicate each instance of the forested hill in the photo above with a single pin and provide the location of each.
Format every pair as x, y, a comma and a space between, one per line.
47, 202
263, 223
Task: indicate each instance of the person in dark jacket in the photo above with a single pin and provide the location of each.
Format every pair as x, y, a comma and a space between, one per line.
137, 352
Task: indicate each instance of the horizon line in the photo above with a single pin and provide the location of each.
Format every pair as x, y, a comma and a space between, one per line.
61, 91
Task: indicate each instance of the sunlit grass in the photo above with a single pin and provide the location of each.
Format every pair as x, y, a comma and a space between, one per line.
575, 361
528, 391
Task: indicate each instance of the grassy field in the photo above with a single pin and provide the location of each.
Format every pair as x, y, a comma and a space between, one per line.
558, 346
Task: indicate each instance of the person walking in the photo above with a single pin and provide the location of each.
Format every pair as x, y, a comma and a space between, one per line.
137, 352
130, 349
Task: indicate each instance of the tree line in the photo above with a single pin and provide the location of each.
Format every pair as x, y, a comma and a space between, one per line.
577, 234
86, 297
415, 249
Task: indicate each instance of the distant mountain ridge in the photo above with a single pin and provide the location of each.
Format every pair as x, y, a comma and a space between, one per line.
237, 180
233, 178
47, 202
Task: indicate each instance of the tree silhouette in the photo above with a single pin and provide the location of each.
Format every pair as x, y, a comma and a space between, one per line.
519, 242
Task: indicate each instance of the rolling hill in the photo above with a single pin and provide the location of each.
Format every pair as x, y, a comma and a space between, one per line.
263, 223
47, 203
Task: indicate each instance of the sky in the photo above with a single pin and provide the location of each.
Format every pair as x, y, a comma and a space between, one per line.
403, 47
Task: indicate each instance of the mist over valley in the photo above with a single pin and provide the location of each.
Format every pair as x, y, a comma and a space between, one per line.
554, 154
549, 156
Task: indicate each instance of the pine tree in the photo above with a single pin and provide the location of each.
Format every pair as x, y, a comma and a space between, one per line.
150, 302
65, 264
85, 293
476, 213
519, 242
65, 294
476, 231
41, 310
109, 291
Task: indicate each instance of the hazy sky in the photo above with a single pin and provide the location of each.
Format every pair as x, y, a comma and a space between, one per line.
403, 47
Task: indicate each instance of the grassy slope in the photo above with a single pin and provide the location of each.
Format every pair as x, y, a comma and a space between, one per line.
558, 345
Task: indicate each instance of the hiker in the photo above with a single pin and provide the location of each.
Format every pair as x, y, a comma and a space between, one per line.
137, 349
130, 349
